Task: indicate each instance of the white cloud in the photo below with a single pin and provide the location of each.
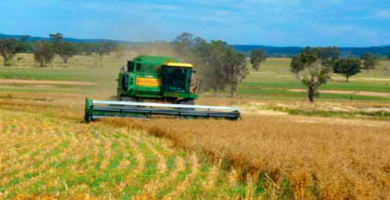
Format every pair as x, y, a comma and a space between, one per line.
382, 14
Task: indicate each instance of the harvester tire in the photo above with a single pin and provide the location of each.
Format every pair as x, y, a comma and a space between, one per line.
187, 102
125, 82
128, 99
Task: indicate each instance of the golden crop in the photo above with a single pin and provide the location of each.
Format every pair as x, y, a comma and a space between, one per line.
318, 157
48, 153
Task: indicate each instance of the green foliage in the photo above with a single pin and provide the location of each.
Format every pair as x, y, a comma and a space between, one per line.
43, 53
347, 67
120, 50
370, 61
86, 48
185, 45
209, 57
219, 64
296, 65
235, 69
66, 50
316, 74
58, 37
105, 48
327, 55
9, 48
258, 57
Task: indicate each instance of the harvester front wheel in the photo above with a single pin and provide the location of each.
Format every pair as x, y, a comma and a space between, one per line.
129, 99
187, 102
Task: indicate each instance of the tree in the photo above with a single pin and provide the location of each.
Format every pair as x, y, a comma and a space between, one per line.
120, 51
387, 67
209, 59
327, 55
58, 37
9, 48
347, 67
258, 57
219, 64
66, 50
27, 45
370, 61
315, 75
296, 66
185, 45
105, 49
43, 53
235, 69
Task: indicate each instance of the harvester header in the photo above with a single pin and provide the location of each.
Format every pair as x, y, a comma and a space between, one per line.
115, 109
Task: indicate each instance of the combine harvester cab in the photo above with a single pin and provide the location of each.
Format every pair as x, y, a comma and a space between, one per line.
151, 79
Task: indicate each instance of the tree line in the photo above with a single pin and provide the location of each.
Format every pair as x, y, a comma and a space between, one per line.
314, 67
218, 64
45, 50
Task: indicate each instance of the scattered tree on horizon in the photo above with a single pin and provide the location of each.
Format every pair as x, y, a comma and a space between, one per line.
235, 69
315, 74
207, 58
257, 57
189, 48
105, 48
120, 51
9, 48
184, 44
387, 67
296, 66
65, 50
57, 37
327, 55
218, 64
43, 53
370, 61
210, 62
347, 67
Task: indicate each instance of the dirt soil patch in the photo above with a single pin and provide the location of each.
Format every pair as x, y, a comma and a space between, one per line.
20, 81
360, 93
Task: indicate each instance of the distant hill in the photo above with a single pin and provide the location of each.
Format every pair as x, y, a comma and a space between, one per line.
66, 39
290, 51
272, 51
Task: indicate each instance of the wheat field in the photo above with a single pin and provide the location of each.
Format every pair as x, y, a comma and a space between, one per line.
49, 155
315, 158
48, 152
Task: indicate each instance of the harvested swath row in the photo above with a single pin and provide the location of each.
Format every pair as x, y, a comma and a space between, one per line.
67, 159
191, 180
39, 164
73, 157
291, 157
18, 144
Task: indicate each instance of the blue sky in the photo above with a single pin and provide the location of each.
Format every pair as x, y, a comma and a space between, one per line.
263, 22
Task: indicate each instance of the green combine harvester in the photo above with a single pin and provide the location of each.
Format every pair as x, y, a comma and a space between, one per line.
157, 86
